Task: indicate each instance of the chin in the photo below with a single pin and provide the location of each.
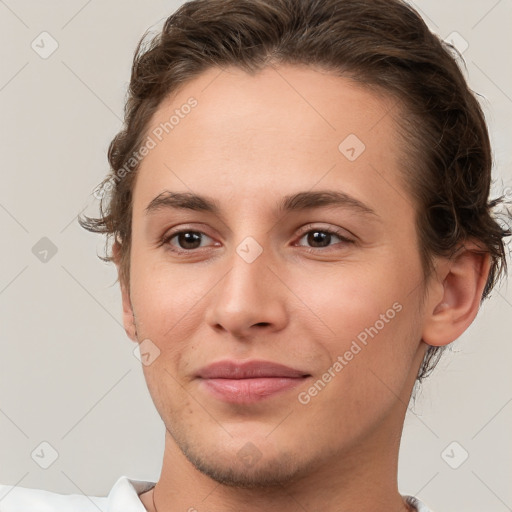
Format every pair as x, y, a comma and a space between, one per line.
262, 473
245, 466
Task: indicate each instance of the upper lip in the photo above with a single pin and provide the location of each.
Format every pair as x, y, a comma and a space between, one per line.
248, 370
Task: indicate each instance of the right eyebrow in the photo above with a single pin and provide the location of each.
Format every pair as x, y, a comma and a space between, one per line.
182, 200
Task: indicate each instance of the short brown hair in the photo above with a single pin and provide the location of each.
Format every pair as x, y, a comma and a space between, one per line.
381, 44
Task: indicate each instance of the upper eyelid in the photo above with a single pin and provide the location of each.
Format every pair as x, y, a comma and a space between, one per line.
336, 230
304, 229
172, 234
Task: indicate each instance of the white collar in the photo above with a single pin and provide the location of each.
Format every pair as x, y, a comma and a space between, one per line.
124, 495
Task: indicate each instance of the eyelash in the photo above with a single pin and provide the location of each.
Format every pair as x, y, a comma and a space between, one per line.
308, 229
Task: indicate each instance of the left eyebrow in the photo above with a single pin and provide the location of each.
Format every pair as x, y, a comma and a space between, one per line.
294, 202
322, 198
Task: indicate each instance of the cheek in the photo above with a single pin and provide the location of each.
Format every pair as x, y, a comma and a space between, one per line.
167, 305
367, 316
370, 358
167, 298
350, 299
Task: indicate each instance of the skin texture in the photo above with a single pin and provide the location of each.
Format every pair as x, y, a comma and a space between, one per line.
250, 141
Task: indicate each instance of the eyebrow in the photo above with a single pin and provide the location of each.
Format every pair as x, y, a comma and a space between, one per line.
294, 202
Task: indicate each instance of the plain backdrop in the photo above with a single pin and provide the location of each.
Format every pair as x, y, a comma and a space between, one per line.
68, 375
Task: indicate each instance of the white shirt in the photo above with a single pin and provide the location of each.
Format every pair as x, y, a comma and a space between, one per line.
123, 497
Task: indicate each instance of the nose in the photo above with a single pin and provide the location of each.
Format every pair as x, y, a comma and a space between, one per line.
249, 299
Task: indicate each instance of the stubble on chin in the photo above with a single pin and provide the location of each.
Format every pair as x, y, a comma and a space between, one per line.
235, 471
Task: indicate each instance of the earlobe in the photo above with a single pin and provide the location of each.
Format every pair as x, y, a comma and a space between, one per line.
463, 279
128, 315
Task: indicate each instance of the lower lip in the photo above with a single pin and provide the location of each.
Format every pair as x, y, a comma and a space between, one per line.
250, 390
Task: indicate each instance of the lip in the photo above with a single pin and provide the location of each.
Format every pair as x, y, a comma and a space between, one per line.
250, 381
229, 369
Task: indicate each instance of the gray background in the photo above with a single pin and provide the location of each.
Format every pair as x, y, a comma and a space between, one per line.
68, 375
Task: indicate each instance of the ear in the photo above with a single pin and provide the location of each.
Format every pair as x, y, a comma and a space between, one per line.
457, 291
128, 315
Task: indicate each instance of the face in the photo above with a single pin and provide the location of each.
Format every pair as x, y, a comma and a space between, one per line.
301, 251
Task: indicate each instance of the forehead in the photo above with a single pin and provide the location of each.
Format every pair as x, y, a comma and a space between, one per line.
284, 126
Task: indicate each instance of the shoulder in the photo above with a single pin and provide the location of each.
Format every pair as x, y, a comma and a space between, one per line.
124, 495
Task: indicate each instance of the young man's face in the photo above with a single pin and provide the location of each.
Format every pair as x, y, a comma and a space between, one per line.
264, 284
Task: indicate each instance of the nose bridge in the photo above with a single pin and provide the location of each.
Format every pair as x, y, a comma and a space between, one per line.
248, 280
247, 296
249, 267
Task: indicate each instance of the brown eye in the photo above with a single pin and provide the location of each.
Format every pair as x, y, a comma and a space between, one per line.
319, 238
185, 240
189, 240
323, 238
